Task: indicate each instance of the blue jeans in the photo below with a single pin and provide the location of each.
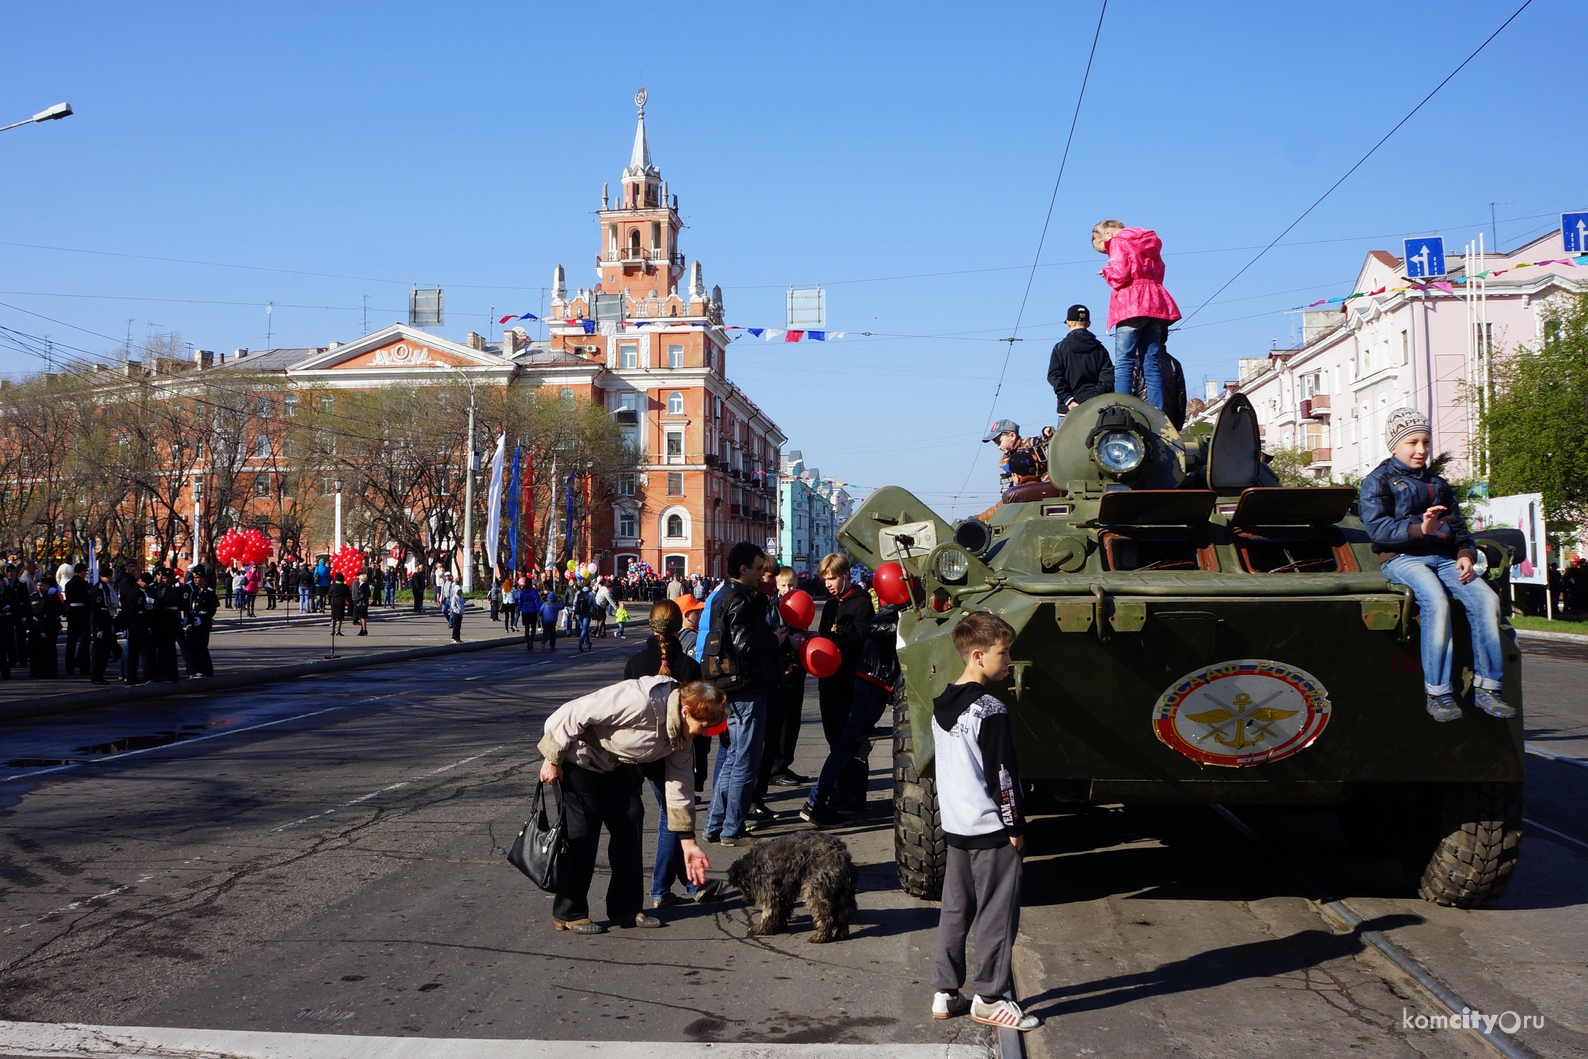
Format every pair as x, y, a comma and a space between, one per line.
1434, 579
584, 633
1140, 339
733, 777
864, 712
669, 852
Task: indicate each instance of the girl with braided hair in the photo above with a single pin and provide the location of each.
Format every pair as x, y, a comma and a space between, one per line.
662, 655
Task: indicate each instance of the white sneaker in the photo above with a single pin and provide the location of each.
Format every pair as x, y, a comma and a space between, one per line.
947, 1005
1002, 1013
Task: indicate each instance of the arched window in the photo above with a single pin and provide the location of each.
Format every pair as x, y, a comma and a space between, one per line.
675, 404
675, 526
565, 396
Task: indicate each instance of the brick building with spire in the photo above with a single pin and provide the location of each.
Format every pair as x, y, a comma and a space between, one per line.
709, 456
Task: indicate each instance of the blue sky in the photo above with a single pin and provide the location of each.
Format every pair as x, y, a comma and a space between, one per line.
377, 146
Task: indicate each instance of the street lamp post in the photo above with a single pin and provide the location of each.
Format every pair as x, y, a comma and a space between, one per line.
468, 500
55, 113
338, 545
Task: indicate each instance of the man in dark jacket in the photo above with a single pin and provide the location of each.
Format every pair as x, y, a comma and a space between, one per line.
102, 605
1080, 367
747, 649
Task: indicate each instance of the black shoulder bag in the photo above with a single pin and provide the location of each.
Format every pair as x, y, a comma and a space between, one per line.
538, 851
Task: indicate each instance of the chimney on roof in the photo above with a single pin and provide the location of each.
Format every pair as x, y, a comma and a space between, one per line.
510, 342
1211, 389
204, 358
475, 340
133, 368
331, 345
240, 352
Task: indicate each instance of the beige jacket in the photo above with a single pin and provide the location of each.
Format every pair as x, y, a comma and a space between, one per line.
633, 722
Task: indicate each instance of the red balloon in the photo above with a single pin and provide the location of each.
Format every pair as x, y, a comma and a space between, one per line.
821, 657
892, 584
797, 609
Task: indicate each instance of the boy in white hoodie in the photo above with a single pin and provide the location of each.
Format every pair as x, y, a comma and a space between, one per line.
979, 796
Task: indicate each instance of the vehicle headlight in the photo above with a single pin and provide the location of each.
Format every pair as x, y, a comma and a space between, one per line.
1120, 451
951, 565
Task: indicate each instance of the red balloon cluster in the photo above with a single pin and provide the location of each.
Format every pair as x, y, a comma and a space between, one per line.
242, 546
797, 609
821, 657
347, 562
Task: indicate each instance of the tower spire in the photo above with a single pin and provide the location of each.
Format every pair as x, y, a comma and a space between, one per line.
640, 157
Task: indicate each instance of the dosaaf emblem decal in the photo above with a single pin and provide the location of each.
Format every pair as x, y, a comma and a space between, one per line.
1244, 712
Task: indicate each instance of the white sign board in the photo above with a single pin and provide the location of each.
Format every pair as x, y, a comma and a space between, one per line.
920, 539
1524, 512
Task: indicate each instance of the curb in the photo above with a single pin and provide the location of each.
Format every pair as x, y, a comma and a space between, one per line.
28, 708
1556, 637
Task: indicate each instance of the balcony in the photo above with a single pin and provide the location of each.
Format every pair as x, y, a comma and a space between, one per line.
1322, 456
1315, 407
627, 417
711, 460
735, 510
640, 255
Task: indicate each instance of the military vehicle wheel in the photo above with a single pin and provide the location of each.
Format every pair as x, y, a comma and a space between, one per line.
1462, 842
919, 848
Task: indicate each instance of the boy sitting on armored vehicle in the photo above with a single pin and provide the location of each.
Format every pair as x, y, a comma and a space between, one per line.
1422, 541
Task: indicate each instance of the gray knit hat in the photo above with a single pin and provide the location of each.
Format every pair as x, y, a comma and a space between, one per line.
1401, 422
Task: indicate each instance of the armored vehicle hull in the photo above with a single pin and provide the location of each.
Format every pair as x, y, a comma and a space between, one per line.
1189, 632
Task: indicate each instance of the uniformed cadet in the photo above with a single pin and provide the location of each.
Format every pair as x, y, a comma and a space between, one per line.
102, 605
170, 615
137, 609
75, 592
204, 604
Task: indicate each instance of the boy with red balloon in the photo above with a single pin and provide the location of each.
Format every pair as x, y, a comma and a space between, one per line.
797, 611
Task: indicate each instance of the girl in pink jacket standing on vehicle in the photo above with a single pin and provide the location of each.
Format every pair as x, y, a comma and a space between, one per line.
1140, 310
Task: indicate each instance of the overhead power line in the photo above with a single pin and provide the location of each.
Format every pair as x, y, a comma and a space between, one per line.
1043, 238
1359, 162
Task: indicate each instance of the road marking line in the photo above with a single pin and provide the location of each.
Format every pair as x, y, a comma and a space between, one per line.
179, 743
1558, 834
93, 1042
383, 790
1541, 752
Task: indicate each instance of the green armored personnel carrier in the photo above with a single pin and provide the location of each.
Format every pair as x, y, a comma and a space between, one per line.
1191, 632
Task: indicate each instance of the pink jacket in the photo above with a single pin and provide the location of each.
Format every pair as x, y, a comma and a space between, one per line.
1135, 271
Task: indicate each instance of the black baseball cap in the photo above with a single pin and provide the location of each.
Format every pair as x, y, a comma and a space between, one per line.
1080, 314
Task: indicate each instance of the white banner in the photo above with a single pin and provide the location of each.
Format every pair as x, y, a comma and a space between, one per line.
493, 520
1525, 512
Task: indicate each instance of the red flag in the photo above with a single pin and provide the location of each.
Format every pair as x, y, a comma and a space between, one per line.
793, 336
504, 319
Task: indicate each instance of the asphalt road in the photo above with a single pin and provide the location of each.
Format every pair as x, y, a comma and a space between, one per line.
325, 858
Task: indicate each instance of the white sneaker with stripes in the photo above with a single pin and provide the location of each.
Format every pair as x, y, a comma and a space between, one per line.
1002, 1013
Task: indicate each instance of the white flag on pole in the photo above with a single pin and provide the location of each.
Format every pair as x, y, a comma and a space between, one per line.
93, 563
493, 520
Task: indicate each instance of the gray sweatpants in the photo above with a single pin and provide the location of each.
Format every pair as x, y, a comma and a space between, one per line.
980, 888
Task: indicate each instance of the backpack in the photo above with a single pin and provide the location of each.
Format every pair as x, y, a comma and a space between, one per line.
716, 664
581, 605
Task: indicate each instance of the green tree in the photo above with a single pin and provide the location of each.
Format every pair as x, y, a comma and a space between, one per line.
1537, 421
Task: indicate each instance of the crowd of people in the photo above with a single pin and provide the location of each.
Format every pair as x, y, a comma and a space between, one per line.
154, 624
726, 671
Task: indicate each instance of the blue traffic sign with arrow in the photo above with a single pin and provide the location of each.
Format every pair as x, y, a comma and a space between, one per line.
1425, 258
1574, 232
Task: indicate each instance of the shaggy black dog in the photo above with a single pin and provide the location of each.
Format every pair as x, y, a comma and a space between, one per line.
808, 866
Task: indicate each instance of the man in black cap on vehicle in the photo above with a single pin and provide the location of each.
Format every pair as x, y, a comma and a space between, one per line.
1080, 367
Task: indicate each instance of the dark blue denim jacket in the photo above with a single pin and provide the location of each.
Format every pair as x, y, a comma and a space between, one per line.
1392, 503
